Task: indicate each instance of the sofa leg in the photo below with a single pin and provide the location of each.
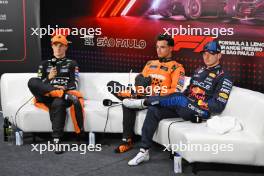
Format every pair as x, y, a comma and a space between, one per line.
19, 137
194, 168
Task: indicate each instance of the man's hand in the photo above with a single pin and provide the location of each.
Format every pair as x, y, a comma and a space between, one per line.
53, 73
140, 80
60, 87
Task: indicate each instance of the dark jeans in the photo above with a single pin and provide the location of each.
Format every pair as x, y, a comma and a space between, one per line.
156, 113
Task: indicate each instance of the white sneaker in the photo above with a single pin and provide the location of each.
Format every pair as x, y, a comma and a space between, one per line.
134, 103
142, 156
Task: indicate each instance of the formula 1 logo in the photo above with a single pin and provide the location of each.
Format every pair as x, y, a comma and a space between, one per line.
196, 43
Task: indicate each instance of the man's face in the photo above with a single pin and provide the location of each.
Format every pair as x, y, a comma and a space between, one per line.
163, 49
59, 50
211, 60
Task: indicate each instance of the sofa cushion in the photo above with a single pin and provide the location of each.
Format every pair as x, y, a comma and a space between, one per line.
96, 117
240, 147
247, 107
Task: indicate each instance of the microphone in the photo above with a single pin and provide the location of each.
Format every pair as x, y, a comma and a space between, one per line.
53, 62
108, 102
129, 79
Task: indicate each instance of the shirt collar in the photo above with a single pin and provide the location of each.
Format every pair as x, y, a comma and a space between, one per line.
214, 68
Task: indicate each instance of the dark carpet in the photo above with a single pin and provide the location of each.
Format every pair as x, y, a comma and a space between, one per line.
20, 160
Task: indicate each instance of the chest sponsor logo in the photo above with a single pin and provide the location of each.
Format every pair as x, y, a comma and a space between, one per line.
227, 91
198, 93
164, 68
64, 70
157, 76
209, 79
222, 100
201, 84
227, 83
200, 71
223, 95
213, 75
153, 67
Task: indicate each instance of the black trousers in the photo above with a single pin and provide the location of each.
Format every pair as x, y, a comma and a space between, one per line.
57, 106
129, 115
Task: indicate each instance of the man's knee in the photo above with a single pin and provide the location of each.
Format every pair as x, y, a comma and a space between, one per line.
154, 112
33, 82
72, 98
57, 102
113, 85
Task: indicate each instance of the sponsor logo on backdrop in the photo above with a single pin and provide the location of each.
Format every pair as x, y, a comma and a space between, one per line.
238, 48
191, 42
3, 1
2, 17
111, 42
121, 43
2, 48
242, 48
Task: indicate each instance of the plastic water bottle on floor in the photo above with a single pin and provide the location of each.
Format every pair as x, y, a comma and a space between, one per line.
177, 163
19, 137
91, 138
10, 135
5, 126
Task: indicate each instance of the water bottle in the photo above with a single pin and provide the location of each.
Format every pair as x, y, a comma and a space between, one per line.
177, 163
10, 135
91, 138
5, 126
19, 137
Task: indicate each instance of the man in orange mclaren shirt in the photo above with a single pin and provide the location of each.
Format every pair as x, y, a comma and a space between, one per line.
55, 89
162, 76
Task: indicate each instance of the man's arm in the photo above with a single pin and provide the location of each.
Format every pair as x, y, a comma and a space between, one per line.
222, 92
186, 91
145, 69
177, 81
42, 74
74, 76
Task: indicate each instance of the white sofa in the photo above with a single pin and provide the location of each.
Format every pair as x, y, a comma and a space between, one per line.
246, 105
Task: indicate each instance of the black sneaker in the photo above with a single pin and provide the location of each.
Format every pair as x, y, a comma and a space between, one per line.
124, 146
58, 147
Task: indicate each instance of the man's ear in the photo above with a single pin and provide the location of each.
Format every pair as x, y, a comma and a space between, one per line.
219, 56
171, 48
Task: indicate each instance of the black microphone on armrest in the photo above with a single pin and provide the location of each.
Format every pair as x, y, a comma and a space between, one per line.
108, 102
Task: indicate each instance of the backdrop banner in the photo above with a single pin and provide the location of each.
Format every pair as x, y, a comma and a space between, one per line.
19, 50
119, 35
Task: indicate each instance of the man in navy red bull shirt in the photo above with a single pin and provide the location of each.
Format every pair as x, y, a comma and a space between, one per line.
207, 94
